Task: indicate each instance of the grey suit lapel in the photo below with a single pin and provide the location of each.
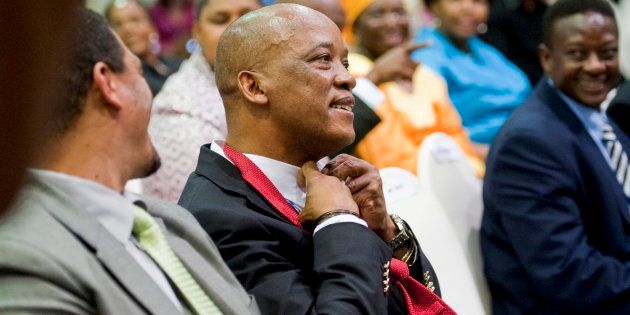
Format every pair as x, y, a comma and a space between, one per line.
108, 250
217, 288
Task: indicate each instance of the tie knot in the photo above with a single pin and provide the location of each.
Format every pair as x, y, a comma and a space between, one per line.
142, 221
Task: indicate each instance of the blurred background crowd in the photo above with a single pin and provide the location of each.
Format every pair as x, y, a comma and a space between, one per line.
452, 68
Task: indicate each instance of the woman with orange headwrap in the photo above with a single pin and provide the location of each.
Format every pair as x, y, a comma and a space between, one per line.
415, 100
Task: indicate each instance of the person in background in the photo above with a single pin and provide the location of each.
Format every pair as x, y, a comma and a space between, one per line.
483, 85
623, 18
75, 242
189, 112
555, 234
131, 22
173, 20
411, 100
514, 29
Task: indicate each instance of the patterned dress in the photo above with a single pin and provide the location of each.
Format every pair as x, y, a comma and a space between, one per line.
187, 113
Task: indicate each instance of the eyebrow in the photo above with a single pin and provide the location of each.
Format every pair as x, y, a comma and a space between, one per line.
323, 45
329, 45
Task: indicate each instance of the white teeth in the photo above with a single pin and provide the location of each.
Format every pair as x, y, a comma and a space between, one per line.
344, 107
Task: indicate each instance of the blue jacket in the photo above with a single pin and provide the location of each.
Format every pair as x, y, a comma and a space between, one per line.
556, 229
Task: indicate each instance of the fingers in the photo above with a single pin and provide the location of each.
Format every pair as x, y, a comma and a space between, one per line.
308, 173
356, 173
345, 166
360, 183
410, 47
407, 73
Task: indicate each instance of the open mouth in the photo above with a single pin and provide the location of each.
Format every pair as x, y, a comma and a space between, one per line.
345, 103
591, 85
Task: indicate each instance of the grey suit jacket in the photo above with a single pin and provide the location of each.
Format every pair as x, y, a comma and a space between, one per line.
56, 258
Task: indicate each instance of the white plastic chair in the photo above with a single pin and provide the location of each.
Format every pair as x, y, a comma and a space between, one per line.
434, 231
446, 173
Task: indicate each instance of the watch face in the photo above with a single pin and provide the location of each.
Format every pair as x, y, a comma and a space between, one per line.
402, 237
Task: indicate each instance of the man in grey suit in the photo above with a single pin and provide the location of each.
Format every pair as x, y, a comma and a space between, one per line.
72, 242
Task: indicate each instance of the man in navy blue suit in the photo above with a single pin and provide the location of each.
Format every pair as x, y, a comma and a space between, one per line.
556, 227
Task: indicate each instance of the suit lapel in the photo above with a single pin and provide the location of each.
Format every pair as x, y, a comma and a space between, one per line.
225, 175
109, 251
550, 98
217, 288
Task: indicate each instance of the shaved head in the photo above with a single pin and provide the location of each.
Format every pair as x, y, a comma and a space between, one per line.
282, 73
251, 41
331, 8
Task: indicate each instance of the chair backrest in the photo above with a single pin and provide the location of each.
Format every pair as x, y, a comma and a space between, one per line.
436, 235
446, 173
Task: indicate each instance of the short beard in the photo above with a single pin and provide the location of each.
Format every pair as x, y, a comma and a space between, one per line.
153, 166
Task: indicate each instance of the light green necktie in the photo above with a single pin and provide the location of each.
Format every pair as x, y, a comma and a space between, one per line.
152, 240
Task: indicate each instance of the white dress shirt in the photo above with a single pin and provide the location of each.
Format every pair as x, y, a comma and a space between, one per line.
115, 212
284, 177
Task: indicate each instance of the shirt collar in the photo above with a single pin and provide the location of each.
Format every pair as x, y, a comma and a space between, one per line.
282, 175
593, 119
112, 210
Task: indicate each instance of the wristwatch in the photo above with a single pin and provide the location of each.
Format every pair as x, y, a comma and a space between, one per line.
403, 235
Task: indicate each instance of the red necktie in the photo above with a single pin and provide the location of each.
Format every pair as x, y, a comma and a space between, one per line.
255, 177
419, 299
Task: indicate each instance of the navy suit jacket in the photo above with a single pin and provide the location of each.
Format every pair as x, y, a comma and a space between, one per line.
289, 271
556, 229
619, 109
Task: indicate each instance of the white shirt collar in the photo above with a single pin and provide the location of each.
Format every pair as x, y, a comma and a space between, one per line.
113, 210
282, 175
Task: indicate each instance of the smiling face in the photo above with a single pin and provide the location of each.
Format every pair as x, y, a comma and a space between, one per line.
382, 25
131, 22
583, 61
309, 87
460, 18
214, 18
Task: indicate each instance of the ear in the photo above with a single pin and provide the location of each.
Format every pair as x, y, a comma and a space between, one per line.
544, 55
249, 84
107, 83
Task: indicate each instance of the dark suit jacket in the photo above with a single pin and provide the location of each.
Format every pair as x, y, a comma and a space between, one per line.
619, 109
338, 271
556, 229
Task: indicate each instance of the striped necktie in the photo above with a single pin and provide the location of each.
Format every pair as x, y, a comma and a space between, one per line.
618, 158
152, 240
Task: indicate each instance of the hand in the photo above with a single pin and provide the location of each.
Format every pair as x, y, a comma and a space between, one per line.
364, 181
395, 64
323, 194
481, 150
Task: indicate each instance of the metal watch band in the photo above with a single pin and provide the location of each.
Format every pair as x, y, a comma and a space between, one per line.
402, 237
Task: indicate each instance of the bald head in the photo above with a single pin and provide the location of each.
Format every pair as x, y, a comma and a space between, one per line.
282, 73
331, 8
252, 40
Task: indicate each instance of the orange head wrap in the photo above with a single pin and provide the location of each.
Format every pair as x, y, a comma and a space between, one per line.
353, 9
